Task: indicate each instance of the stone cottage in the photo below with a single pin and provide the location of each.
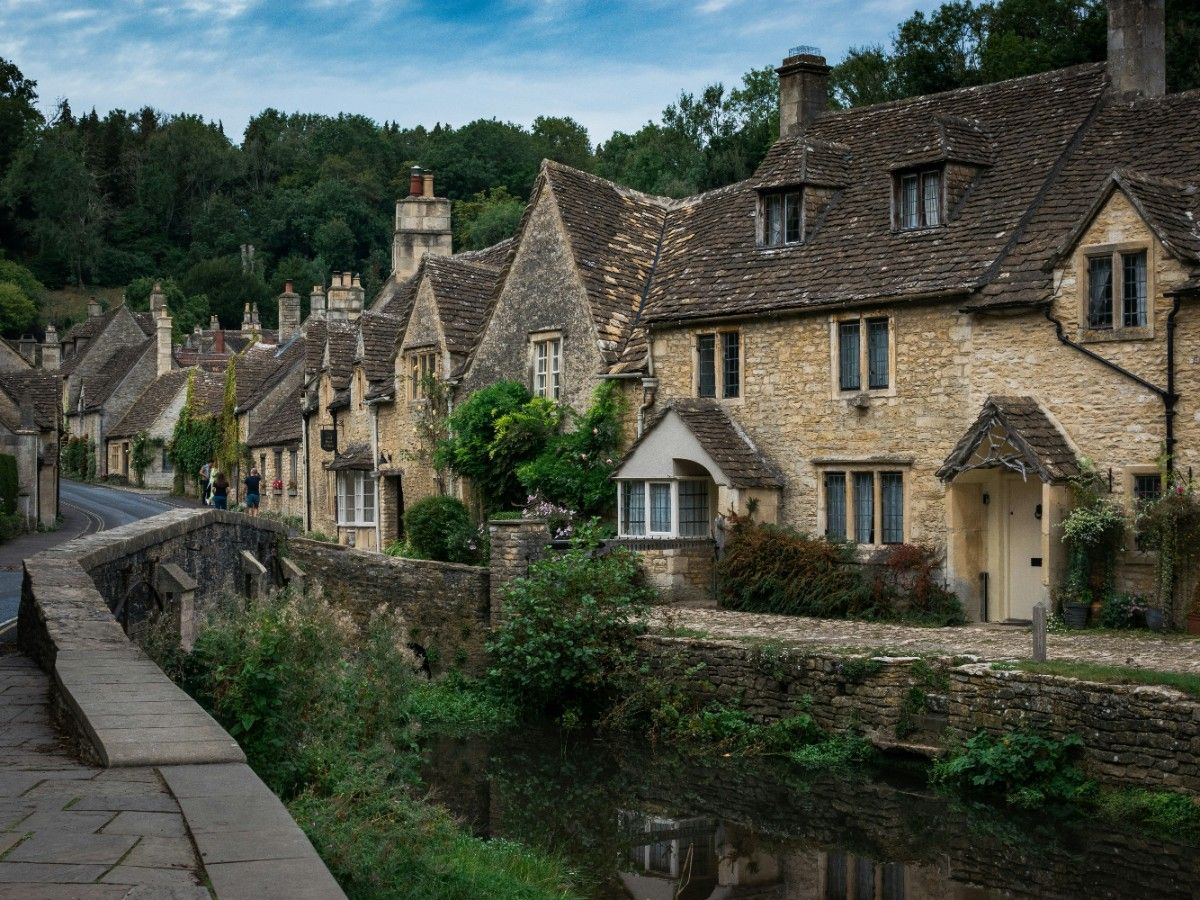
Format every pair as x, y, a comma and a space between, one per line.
30, 423
917, 320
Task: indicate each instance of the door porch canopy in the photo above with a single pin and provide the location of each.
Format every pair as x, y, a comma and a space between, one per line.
1013, 433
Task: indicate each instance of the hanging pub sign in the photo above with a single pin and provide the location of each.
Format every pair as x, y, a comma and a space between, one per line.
329, 440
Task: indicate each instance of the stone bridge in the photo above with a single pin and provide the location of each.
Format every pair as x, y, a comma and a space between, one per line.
181, 812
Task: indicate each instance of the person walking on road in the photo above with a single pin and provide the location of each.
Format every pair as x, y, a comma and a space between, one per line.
205, 482
252, 482
220, 492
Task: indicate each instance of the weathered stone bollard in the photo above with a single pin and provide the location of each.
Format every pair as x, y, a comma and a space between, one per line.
1039, 631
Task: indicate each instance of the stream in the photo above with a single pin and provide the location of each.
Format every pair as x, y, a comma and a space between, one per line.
656, 825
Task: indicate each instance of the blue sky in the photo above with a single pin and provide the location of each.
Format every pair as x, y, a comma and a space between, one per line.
610, 65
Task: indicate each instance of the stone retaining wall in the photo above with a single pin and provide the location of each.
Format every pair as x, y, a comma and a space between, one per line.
445, 605
1139, 736
124, 711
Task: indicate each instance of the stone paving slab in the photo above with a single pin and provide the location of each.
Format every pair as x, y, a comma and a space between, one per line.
1171, 653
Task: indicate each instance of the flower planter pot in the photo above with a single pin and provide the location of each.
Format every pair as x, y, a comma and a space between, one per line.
291, 492
1075, 615
1156, 620
1193, 623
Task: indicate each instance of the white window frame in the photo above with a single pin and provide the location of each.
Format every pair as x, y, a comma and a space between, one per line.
547, 366
876, 471
864, 360
783, 195
673, 530
364, 487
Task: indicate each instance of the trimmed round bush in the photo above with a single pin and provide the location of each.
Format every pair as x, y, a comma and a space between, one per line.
440, 528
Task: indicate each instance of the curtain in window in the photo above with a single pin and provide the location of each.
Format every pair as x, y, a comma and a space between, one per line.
773, 233
849, 377
835, 506
731, 370
693, 508
633, 500
891, 489
792, 226
1100, 292
292, 465
864, 507
660, 506
706, 365
877, 353
908, 202
933, 198
1134, 293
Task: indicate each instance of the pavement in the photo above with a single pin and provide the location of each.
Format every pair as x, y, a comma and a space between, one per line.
86, 508
1138, 649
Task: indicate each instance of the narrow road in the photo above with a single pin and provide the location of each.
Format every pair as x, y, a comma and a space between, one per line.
86, 508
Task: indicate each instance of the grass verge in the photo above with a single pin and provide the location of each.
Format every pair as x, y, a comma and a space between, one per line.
1084, 671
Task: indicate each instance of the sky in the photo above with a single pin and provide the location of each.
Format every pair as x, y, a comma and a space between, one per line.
609, 65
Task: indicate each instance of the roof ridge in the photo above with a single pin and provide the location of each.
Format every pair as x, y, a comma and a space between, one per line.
633, 193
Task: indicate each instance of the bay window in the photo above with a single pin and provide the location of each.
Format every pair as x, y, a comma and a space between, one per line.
664, 508
355, 498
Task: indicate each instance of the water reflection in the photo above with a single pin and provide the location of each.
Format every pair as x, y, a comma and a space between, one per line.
657, 826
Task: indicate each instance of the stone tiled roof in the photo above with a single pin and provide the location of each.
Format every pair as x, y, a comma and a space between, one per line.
722, 439
494, 256
710, 265
37, 395
315, 331
1021, 423
252, 367
341, 339
98, 388
804, 160
282, 427
91, 328
356, 456
151, 404
462, 289
378, 332
284, 360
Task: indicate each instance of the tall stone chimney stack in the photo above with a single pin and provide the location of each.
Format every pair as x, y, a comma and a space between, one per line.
162, 331
51, 350
345, 300
1137, 50
289, 313
422, 225
316, 302
803, 89
94, 310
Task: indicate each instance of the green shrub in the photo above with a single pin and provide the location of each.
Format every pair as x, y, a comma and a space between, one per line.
1122, 610
11, 525
906, 583
8, 484
1024, 768
567, 637
440, 528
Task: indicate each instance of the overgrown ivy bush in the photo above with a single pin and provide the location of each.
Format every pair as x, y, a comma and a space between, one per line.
8, 484
567, 638
440, 528
1092, 532
906, 583
1170, 526
1024, 768
196, 439
75, 457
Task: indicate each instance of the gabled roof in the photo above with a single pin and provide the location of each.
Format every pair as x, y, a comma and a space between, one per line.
804, 160
98, 388
286, 358
282, 427
92, 327
341, 340
710, 266
462, 289
1013, 433
377, 336
36, 394
725, 442
947, 138
153, 402
356, 456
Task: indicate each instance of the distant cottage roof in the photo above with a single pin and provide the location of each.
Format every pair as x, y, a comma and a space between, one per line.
36, 394
281, 428
153, 402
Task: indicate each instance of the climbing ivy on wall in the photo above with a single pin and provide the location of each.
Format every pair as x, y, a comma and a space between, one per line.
230, 447
195, 440
141, 454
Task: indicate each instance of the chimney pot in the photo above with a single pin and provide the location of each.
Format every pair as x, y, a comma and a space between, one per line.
218, 341
1137, 60
414, 181
803, 90
287, 286
427, 184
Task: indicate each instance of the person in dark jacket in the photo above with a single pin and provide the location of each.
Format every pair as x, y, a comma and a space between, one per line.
220, 492
252, 481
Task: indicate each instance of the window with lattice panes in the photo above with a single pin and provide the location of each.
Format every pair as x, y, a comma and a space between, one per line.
718, 364
547, 368
864, 506
1117, 289
863, 354
422, 368
918, 200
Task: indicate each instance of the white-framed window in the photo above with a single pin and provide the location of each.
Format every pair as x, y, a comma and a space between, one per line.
719, 364
1118, 288
863, 354
422, 365
547, 368
355, 498
864, 506
919, 199
782, 218
664, 508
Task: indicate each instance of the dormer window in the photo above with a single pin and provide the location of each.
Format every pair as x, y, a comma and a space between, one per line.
782, 218
919, 204
1117, 292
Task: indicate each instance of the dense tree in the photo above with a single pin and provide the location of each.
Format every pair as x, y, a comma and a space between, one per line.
486, 218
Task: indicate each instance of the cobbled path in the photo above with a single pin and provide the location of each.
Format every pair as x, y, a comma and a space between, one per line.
73, 831
1171, 653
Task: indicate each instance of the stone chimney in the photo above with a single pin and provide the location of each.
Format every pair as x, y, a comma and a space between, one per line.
214, 324
345, 300
162, 332
289, 313
316, 302
1137, 55
254, 320
422, 226
51, 350
803, 89
157, 299
218, 344
27, 346
245, 317
94, 310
